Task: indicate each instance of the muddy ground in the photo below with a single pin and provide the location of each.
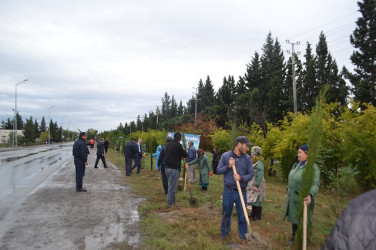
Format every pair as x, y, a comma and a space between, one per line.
55, 216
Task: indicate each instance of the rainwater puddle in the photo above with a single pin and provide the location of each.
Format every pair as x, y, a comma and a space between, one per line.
115, 233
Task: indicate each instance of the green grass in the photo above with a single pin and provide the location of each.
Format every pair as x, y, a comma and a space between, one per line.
199, 227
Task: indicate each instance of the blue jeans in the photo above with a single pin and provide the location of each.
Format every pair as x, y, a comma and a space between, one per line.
173, 176
229, 198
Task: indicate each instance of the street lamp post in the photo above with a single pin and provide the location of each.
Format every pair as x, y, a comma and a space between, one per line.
15, 113
49, 125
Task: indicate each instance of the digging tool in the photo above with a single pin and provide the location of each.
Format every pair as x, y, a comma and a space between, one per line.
250, 235
192, 201
305, 226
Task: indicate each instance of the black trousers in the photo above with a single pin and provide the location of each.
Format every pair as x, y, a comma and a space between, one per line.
103, 160
164, 179
128, 166
80, 172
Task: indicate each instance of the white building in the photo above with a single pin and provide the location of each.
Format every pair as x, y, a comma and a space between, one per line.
4, 135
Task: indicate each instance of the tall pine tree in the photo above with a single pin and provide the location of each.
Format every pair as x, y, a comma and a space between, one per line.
364, 57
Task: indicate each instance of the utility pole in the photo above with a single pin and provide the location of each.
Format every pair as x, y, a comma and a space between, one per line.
16, 112
293, 73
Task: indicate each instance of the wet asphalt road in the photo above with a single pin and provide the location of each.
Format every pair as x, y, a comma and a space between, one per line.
40, 208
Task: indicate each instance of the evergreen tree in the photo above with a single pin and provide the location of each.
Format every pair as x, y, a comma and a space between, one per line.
174, 108
364, 57
9, 124
138, 123
19, 121
326, 72
308, 89
43, 127
36, 127
181, 109
207, 95
200, 95
166, 106
29, 131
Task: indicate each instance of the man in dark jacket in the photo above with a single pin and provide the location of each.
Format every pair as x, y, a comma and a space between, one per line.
130, 151
356, 227
239, 159
80, 152
162, 162
174, 155
138, 156
106, 143
100, 153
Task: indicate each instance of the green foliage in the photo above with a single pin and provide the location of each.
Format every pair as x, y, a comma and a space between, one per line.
220, 140
293, 134
358, 146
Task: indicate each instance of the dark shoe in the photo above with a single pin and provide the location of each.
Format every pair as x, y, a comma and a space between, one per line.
81, 190
291, 242
95, 167
105, 167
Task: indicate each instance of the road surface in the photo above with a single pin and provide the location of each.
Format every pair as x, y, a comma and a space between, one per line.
40, 208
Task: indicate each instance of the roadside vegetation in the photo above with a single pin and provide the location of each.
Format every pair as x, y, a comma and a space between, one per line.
199, 227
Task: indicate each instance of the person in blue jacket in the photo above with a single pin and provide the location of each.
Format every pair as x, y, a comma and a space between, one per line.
239, 159
156, 154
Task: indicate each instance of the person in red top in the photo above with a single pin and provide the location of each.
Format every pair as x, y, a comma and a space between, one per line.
91, 143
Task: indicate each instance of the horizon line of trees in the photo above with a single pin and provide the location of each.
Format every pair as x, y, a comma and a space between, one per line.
33, 131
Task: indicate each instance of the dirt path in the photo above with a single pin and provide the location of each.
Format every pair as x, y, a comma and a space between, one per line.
55, 216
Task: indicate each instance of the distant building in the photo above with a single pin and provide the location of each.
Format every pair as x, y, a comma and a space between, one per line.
4, 135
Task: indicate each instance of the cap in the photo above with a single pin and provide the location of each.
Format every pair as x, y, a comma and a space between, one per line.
134, 139
256, 150
304, 148
243, 139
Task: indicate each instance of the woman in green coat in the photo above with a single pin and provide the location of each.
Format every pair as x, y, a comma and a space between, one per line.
256, 186
203, 168
294, 187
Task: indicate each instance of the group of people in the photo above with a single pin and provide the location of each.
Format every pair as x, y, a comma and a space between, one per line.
80, 153
249, 174
133, 152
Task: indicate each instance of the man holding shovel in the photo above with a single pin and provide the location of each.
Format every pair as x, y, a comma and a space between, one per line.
239, 159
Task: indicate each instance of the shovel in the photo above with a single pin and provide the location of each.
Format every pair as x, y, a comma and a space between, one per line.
249, 235
305, 226
192, 201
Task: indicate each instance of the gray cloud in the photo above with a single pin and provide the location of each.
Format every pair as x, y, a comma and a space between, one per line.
101, 63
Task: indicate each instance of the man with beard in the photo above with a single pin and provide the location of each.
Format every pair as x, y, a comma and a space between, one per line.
239, 159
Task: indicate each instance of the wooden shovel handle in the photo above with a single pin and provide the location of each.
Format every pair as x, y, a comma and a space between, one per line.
241, 197
305, 226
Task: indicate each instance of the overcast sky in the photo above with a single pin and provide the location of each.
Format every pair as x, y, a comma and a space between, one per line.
104, 62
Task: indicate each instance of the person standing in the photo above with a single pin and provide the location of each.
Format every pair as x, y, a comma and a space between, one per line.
130, 151
157, 155
100, 153
91, 142
191, 167
106, 143
215, 160
203, 169
138, 156
256, 187
239, 159
162, 163
174, 155
80, 152
294, 187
